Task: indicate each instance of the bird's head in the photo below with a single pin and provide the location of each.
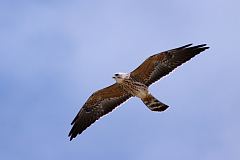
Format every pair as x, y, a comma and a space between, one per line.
119, 77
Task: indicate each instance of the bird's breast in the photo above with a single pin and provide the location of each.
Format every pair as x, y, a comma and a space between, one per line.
135, 88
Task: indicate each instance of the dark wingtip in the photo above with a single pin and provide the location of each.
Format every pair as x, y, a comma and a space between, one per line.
74, 119
188, 45
182, 47
71, 135
206, 47
202, 47
199, 48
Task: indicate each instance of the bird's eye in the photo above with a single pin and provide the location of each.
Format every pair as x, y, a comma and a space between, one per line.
116, 74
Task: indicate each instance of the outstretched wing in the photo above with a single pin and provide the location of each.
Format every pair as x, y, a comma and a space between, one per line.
159, 65
98, 104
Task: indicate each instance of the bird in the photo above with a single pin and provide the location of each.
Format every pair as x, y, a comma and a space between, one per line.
133, 84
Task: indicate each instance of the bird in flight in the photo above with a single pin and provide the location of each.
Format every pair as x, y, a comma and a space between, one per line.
133, 84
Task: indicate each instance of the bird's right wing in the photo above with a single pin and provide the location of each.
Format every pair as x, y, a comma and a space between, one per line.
161, 64
98, 104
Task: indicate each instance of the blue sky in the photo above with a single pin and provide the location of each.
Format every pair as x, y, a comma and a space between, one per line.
54, 54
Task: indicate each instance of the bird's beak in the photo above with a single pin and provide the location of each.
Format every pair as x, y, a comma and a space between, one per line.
113, 77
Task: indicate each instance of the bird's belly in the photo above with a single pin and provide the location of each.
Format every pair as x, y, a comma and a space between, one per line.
141, 93
136, 89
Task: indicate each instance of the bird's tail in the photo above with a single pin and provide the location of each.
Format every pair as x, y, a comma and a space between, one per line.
153, 104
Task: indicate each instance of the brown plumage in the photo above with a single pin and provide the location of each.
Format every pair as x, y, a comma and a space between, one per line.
134, 84
98, 104
159, 65
153, 104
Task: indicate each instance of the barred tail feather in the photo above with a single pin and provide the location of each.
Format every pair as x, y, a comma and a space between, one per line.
153, 104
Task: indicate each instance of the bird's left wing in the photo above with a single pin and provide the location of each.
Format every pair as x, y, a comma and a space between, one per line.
99, 103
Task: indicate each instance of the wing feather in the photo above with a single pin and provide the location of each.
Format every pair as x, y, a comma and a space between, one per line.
161, 64
98, 104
